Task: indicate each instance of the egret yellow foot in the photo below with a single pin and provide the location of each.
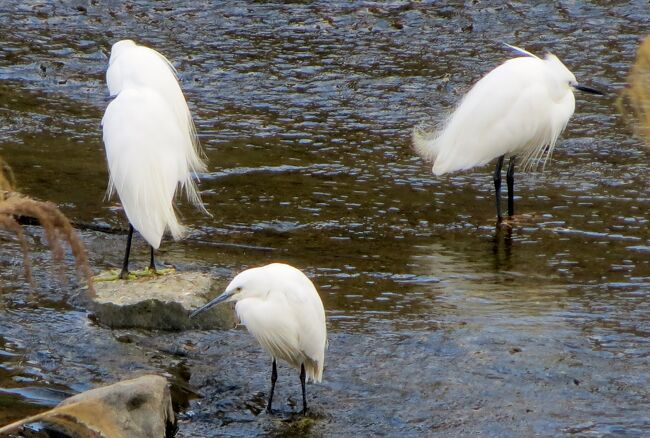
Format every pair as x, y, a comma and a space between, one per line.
114, 274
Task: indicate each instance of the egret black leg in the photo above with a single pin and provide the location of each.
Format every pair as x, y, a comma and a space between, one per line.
274, 377
124, 274
302, 383
152, 263
510, 180
497, 186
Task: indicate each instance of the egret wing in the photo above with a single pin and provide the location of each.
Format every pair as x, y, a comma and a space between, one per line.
144, 160
508, 110
137, 66
269, 321
308, 310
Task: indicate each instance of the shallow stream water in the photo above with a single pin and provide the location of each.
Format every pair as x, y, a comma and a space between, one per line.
439, 323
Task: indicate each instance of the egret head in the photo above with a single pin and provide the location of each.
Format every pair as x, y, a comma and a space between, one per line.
565, 77
559, 72
252, 283
118, 48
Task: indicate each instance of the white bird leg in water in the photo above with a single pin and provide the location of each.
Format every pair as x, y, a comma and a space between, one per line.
497, 186
302, 384
281, 308
274, 377
510, 180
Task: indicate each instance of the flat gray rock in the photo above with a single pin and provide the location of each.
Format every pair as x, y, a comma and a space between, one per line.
136, 408
161, 302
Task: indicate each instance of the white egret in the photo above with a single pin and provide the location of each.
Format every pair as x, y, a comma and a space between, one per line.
151, 144
281, 308
519, 108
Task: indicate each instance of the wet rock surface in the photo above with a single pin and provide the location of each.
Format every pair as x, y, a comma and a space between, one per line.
137, 408
161, 302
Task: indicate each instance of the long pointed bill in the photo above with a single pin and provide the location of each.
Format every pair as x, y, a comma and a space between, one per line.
588, 90
220, 299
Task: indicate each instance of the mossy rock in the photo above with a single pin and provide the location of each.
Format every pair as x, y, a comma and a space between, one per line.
161, 302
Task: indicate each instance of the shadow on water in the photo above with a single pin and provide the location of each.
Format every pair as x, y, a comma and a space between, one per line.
439, 324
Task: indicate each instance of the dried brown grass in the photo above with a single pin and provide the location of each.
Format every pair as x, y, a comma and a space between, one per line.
634, 101
58, 229
7, 181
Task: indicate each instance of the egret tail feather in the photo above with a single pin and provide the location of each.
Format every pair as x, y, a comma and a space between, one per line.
425, 142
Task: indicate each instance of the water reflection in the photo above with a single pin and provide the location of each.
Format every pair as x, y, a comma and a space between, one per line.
487, 281
21, 382
502, 248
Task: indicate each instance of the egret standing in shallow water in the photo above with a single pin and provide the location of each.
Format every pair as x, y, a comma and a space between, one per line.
281, 308
151, 144
519, 108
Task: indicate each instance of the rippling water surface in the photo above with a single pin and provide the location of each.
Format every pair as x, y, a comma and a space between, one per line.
439, 324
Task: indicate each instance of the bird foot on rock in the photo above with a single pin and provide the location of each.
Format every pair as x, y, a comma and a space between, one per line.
124, 275
159, 272
115, 274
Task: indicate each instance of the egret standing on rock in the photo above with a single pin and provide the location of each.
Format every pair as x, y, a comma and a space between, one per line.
151, 144
281, 308
519, 108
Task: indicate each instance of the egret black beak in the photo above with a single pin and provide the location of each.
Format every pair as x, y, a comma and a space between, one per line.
588, 90
109, 98
220, 299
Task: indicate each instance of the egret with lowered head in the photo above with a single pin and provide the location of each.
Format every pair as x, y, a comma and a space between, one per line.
281, 308
151, 144
519, 108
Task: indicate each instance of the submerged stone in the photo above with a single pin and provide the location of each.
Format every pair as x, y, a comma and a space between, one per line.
136, 408
161, 302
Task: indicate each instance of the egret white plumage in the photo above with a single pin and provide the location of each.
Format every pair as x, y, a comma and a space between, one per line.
519, 108
151, 144
281, 308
